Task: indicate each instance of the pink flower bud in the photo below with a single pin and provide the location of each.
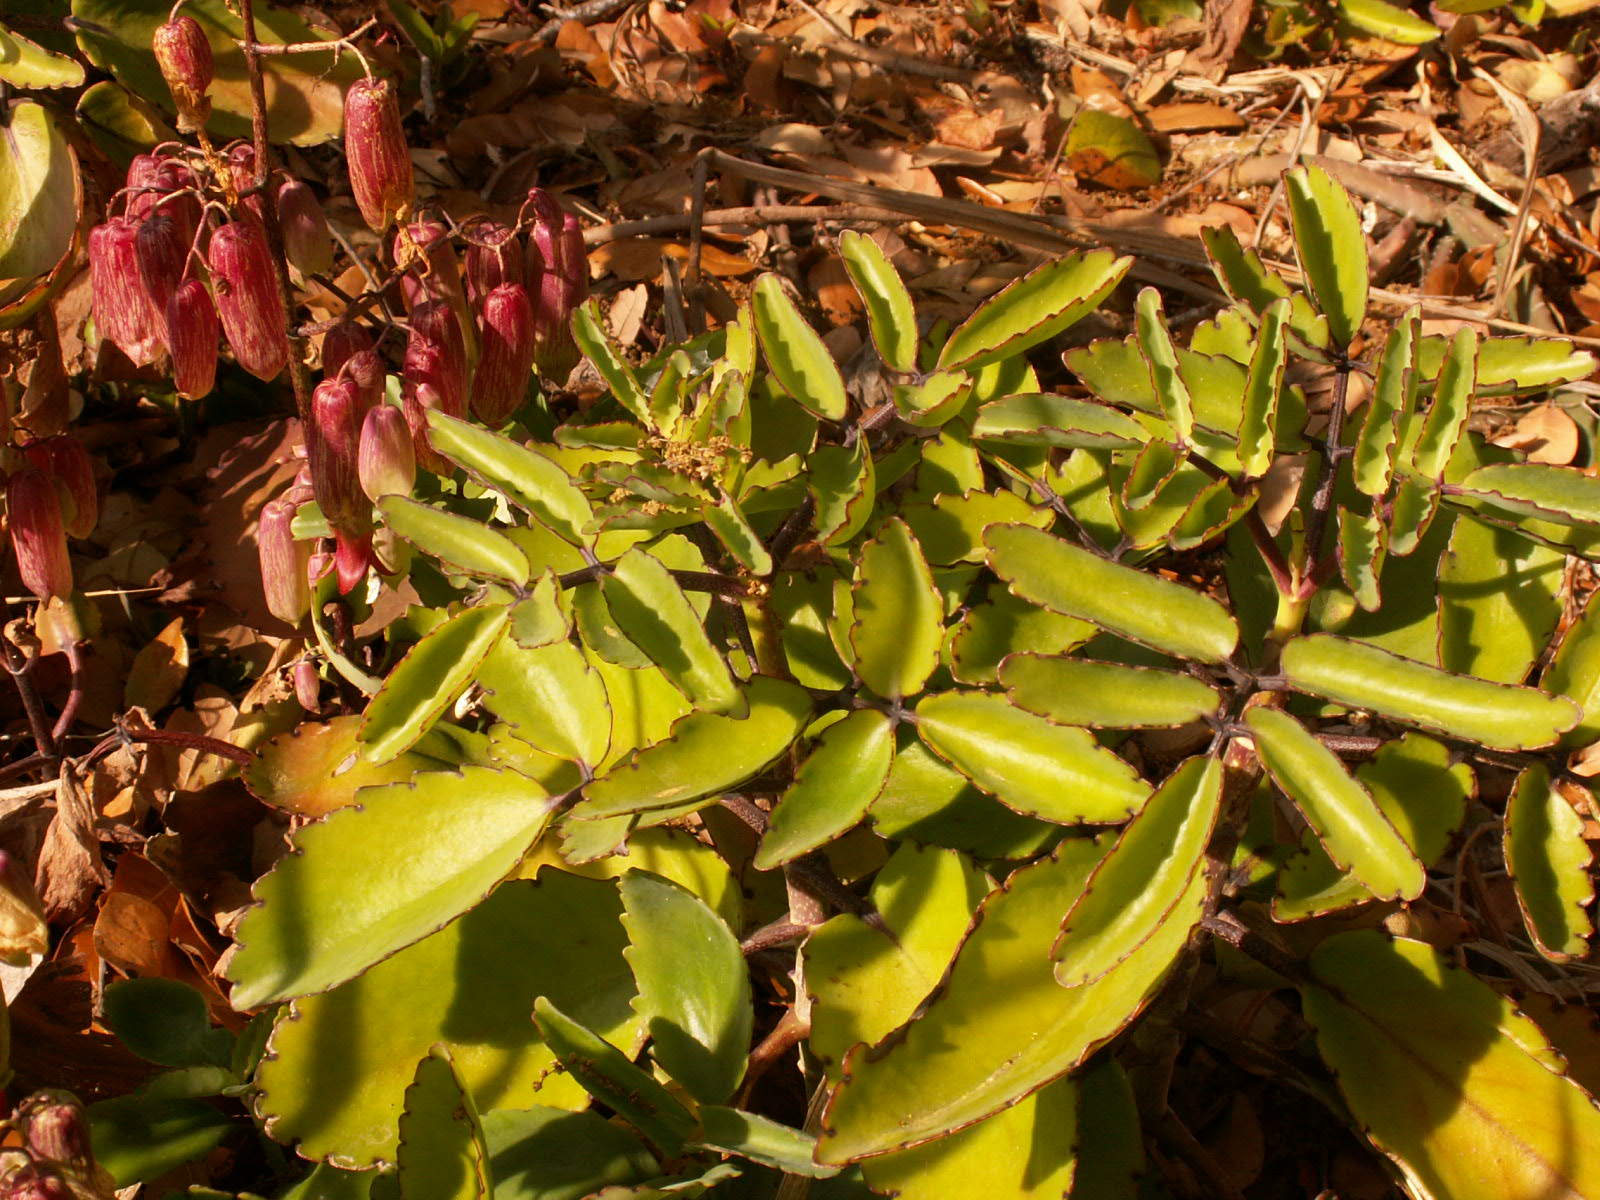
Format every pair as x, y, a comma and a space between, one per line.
57, 1130
387, 463
365, 369
247, 299
352, 555
307, 685
122, 307
416, 399
425, 251
38, 534
333, 446
161, 250
283, 563
340, 342
505, 364
494, 256
193, 332
376, 152
66, 461
434, 327
306, 241
184, 55
557, 280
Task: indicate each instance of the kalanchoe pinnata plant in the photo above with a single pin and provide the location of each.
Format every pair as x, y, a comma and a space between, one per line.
377, 155
284, 562
38, 533
247, 298
387, 460
123, 310
306, 241
183, 53
986, 741
65, 460
507, 342
193, 333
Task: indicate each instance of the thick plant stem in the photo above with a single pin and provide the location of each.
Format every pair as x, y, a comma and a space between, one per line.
1322, 499
299, 373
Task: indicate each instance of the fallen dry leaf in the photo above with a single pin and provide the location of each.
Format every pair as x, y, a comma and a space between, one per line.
70, 869
158, 670
1546, 434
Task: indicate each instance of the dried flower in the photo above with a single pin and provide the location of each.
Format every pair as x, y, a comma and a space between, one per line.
66, 461
247, 299
192, 330
38, 534
387, 462
56, 1129
505, 365
122, 308
306, 241
283, 563
184, 54
333, 441
378, 157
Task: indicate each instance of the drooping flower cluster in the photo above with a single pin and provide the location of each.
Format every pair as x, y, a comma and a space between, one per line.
54, 1161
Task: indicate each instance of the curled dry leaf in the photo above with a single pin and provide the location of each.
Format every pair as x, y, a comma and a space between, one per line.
1546, 434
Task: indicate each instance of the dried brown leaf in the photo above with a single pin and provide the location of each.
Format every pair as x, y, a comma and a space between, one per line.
70, 867
158, 670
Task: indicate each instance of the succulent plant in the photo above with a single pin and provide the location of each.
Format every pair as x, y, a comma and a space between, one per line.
247, 298
38, 533
377, 155
284, 562
306, 241
184, 54
505, 362
66, 461
123, 311
193, 332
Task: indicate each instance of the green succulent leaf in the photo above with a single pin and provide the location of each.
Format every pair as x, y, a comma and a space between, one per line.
466, 546
652, 611
1393, 401
890, 313
1051, 420
1561, 494
1499, 601
336, 906
1134, 889
1155, 343
1387, 21
1452, 401
727, 520
866, 981
1102, 695
1000, 1027
26, 64
799, 358
166, 1022
950, 530
527, 478
1549, 862
761, 1140
1363, 542
1030, 764
1411, 513
1330, 245
842, 482
935, 399
619, 376
1363, 676
898, 615
606, 1073
471, 986
1575, 672
832, 790
1035, 308
704, 754
549, 697
442, 1153
1005, 624
1348, 822
1446, 1077
1424, 797
1258, 422
1515, 365
1124, 600
141, 1138
39, 195
1240, 271
428, 680
1023, 1151
543, 1153
694, 989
